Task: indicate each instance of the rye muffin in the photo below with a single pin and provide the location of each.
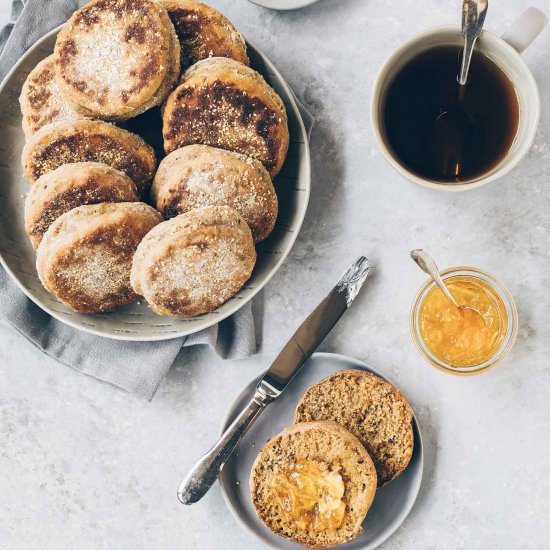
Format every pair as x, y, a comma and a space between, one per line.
204, 32
194, 262
117, 58
371, 409
41, 101
313, 484
70, 186
85, 140
199, 175
85, 256
223, 103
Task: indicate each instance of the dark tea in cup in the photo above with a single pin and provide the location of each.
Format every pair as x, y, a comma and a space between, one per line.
445, 132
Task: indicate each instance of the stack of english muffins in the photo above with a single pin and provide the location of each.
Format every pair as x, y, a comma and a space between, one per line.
108, 223
315, 481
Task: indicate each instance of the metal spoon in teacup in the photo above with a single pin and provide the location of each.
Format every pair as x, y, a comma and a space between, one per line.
455, 131
473, 17
428, 265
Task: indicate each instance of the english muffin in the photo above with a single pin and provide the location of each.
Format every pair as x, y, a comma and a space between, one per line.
199, 175
85, 140
313, 484
117, 58
85, 256
204, 32
41, 101
371, 409
69, 186
194, 262
223, 103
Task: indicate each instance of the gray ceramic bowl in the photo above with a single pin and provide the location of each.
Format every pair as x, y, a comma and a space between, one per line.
137, 321
392, 503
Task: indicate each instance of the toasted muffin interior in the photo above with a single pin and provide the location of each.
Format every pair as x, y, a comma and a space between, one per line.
371, 409
313, 484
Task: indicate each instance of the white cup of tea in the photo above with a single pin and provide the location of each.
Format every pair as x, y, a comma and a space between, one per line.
505, 52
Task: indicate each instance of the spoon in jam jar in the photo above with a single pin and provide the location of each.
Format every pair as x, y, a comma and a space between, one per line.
428, 265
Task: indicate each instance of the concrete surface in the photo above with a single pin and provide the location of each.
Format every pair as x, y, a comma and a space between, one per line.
83, 465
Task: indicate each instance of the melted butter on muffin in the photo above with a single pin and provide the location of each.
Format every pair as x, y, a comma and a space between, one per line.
311, 495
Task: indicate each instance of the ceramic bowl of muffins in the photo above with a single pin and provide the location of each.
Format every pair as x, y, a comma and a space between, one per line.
160, 200
342, 462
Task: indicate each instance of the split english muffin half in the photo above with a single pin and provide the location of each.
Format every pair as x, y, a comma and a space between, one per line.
313, 484
372, 409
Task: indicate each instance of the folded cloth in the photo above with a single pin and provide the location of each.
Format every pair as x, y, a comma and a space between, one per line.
137, 367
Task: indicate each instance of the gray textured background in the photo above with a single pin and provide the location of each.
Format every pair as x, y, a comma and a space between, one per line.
85, 466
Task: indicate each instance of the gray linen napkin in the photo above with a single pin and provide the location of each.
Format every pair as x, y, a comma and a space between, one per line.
137, 367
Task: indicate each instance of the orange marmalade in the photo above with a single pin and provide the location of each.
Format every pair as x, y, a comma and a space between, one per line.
462, 337
310, 495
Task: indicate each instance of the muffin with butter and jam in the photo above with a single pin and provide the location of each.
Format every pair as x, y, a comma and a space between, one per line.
313, 484
467, 339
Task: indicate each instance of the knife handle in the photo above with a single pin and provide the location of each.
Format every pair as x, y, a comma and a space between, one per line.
205, 472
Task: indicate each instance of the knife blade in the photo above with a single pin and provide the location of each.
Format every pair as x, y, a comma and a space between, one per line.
283, 369
315, 328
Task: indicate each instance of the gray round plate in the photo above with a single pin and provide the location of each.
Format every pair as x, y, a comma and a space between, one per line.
137, 321
392, 503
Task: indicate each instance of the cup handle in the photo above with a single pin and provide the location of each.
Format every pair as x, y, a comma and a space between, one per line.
525, 29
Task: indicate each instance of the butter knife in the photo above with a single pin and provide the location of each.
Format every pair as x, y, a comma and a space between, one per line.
287, 364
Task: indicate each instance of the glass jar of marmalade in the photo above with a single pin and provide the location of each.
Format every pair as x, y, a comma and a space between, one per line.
467, 340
